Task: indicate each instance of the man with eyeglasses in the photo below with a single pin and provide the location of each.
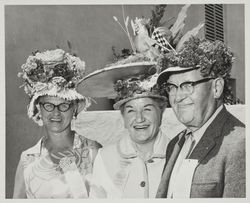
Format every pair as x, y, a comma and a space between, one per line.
207, 159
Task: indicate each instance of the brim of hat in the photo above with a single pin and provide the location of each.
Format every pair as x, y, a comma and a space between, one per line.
118, 104
100, 83
164, 75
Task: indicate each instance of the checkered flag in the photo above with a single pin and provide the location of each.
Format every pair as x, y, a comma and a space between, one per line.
162, 43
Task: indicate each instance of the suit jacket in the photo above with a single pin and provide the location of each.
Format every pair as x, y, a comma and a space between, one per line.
221, 159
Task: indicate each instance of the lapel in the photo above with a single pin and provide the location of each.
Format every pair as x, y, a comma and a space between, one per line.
172, 153
208, 141
211, 137
171, 146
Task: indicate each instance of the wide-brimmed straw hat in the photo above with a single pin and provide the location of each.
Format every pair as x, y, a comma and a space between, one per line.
122, 82
135, 76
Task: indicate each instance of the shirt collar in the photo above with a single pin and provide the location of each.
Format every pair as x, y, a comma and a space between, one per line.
198, 133
127, 150
39, 148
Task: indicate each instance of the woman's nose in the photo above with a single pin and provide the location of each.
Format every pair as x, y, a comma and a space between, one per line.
56, 111
139, 117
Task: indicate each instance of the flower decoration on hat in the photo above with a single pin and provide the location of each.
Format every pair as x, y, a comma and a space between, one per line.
150, 42
52, 73
137, 87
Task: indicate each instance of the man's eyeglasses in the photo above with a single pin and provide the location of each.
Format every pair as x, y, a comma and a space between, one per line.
63, 107
186, 87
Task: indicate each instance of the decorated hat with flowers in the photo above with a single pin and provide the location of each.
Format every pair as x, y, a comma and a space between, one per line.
134, 75
52, 73
137, 87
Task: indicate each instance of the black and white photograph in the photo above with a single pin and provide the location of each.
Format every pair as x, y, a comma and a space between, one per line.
124, 100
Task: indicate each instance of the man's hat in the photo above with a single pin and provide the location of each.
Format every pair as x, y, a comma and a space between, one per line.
164, 75
213, 58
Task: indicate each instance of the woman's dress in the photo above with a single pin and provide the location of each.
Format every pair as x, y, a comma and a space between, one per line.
66, 179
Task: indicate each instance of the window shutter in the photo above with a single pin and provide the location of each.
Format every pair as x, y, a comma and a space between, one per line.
214, 22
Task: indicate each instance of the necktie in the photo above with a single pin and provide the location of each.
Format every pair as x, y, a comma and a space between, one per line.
184, 153
163, 187
189, 144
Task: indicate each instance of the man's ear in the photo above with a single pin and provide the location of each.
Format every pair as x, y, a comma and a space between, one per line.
218, 87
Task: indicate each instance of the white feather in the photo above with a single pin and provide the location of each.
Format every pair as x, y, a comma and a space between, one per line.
179, 23
126, 22
133, 26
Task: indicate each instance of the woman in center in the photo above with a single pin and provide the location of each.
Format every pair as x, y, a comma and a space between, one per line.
131, 168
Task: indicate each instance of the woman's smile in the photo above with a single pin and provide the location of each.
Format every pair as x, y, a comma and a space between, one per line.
139, 127
56, 119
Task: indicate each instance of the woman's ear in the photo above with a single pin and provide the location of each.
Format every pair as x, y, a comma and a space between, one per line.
80, 105
218, 87
38, 109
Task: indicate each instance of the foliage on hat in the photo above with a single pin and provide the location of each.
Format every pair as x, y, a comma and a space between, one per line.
142, 84
213, 58
51, 68
156, 15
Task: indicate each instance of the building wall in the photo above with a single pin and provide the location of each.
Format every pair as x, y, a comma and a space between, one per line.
234, 36
91, 30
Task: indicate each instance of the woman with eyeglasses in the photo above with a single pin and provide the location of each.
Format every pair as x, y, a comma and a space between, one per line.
57, 165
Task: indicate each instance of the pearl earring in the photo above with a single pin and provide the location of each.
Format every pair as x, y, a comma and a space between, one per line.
75, 115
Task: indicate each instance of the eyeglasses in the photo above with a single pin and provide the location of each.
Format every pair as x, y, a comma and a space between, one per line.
186, 87
63, 107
